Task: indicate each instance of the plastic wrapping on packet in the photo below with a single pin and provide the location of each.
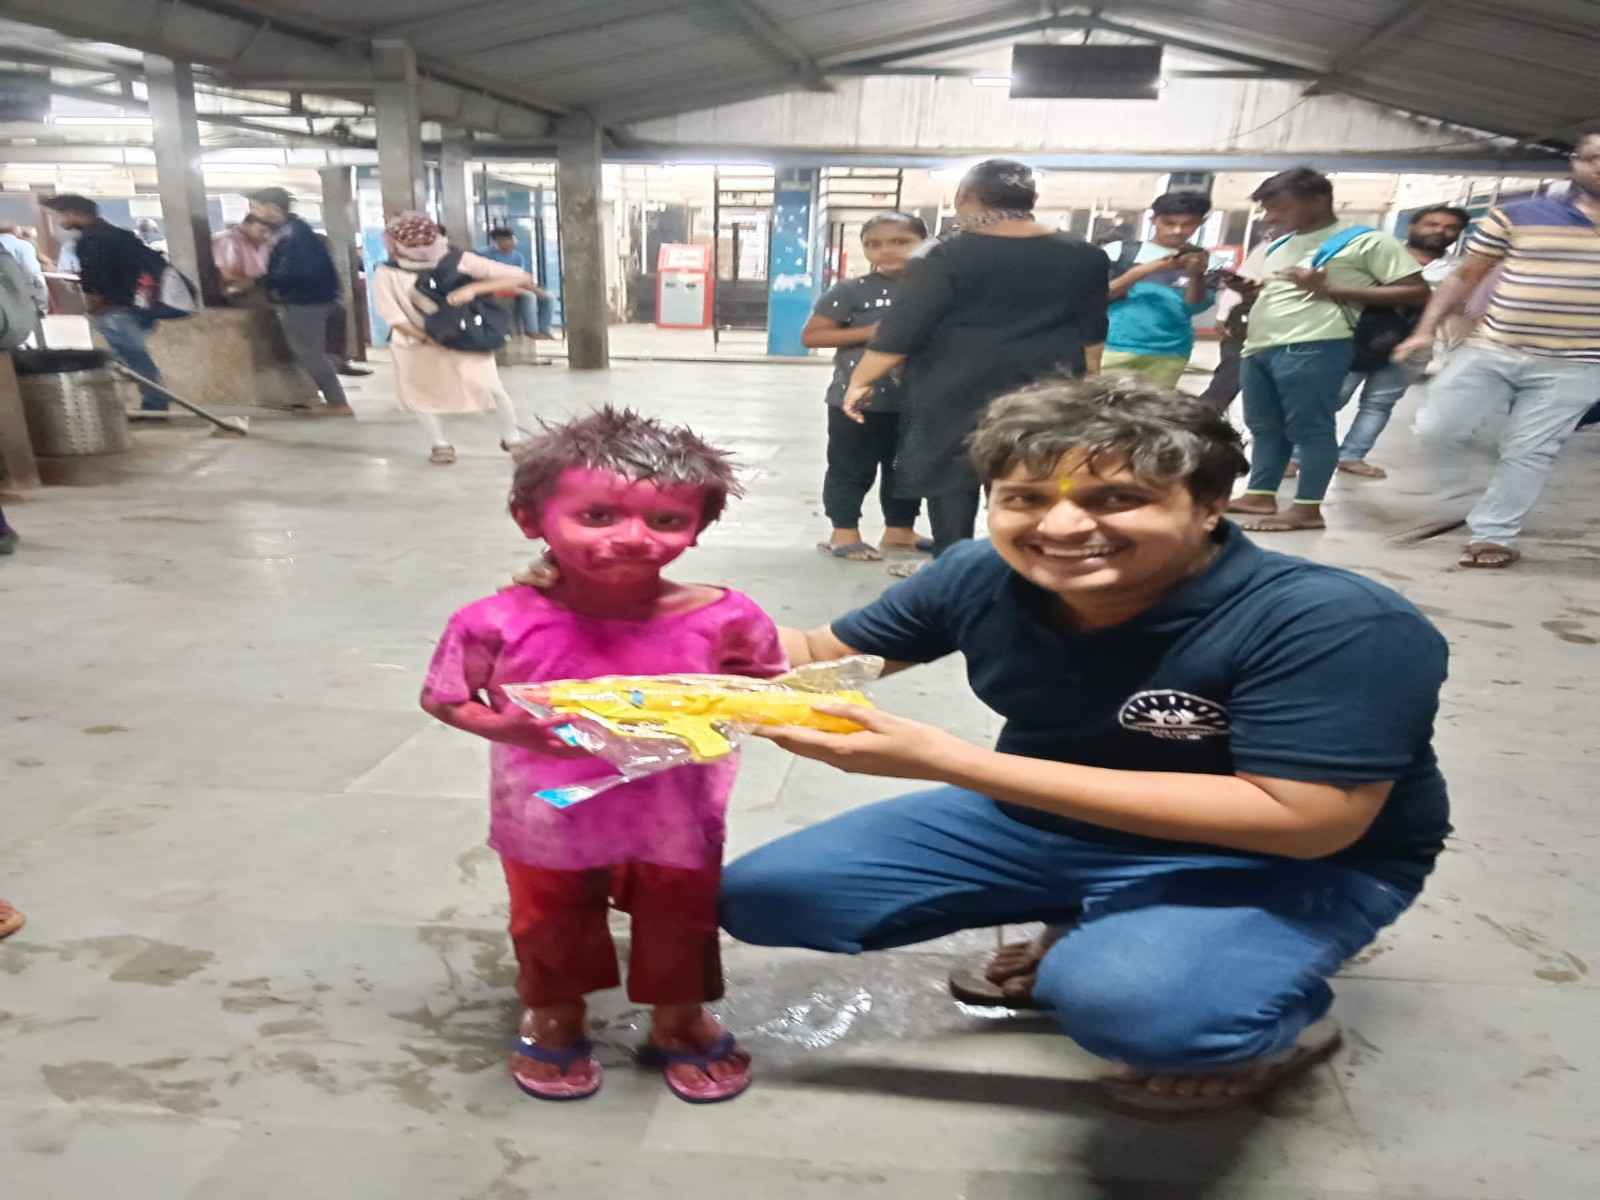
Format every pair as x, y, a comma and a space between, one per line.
642, 724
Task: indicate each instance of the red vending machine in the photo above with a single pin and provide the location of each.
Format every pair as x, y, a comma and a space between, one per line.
683, 287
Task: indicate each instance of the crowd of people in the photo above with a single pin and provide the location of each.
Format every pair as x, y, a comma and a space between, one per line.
1202, 787
1321, 311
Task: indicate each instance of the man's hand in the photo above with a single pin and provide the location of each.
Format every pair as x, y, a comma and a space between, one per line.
1311, 280
856, 398
1193, 263
887, 745
1419, 346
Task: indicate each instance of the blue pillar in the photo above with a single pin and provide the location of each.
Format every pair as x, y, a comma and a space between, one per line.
369, 216
792, 265
548, 263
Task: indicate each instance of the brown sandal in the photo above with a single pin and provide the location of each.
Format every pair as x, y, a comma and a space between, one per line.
970, 984
1316, 1044
851, 551
1362, 469
1473, 556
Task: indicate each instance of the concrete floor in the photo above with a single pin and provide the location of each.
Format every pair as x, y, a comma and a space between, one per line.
266, 958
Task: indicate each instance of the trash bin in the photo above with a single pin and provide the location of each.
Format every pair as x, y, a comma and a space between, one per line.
74, 404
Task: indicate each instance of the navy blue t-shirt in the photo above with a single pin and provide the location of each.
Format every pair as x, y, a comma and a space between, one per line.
1263, 663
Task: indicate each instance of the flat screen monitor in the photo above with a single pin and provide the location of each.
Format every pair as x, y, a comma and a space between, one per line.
1040, 72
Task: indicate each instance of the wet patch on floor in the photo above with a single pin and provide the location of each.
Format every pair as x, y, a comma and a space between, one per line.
95, 1081
1569, 631
135, 959
1556, 966
161, 964
504, 1186
1444, 614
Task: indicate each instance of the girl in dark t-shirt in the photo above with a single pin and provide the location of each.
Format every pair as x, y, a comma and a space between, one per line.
859, 452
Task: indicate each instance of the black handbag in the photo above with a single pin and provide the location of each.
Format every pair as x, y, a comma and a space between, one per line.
478, 327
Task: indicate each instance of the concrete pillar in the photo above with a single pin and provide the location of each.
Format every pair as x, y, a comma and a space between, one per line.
455, 192
339, 218
583, 256
16, 448
402, 176
183, 188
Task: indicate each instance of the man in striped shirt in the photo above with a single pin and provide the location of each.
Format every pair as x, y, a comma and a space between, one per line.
1537, 352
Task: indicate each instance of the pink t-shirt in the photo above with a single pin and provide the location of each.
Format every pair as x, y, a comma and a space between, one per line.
676, 818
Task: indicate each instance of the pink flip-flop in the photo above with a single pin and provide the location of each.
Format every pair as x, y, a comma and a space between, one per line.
711, 1091
563, 1060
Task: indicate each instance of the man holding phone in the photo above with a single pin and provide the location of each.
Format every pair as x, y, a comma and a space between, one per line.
1300, 347
1157, 289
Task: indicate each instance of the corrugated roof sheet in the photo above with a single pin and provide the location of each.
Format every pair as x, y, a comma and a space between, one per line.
1525, 69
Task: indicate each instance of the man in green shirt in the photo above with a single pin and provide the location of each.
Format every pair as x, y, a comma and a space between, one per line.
1316, 281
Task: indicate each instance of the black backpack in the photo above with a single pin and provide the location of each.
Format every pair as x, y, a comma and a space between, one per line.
478, 327
1377, 332
1127, 256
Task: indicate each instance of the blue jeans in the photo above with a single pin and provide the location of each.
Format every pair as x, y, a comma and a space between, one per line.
1177, 961
535, 314
1291, 397
1382, 392
125, 332
1544, 397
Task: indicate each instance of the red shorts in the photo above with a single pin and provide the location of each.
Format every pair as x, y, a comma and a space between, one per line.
562, 939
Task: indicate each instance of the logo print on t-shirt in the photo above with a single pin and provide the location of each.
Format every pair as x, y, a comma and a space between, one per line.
1175, 716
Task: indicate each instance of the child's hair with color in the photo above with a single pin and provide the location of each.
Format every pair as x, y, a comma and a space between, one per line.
910, 220
628, 444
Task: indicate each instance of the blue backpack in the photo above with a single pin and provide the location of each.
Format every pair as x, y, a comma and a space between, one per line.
1378, 330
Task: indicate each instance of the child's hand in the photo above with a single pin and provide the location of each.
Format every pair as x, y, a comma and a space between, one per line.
462, 295
519, 727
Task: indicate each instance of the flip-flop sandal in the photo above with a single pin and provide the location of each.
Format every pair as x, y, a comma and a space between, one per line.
1469, 556
1138, 1100
712, 1091
853, 552
921, 546
562, 1060
1362, 469
11, 920
970, 984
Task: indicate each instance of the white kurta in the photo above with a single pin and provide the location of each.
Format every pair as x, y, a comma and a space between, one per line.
430, 378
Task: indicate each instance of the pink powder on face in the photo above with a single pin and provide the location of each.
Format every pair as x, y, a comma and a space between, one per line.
604, 528
519, 635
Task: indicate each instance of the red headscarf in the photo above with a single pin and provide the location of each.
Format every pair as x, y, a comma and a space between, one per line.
416, 237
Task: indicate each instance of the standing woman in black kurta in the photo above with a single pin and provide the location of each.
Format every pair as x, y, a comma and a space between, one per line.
1003, 303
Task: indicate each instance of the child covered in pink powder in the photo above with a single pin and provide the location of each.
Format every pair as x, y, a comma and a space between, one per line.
616, 498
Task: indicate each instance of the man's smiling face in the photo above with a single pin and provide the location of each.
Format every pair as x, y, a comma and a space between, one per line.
1098, 532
